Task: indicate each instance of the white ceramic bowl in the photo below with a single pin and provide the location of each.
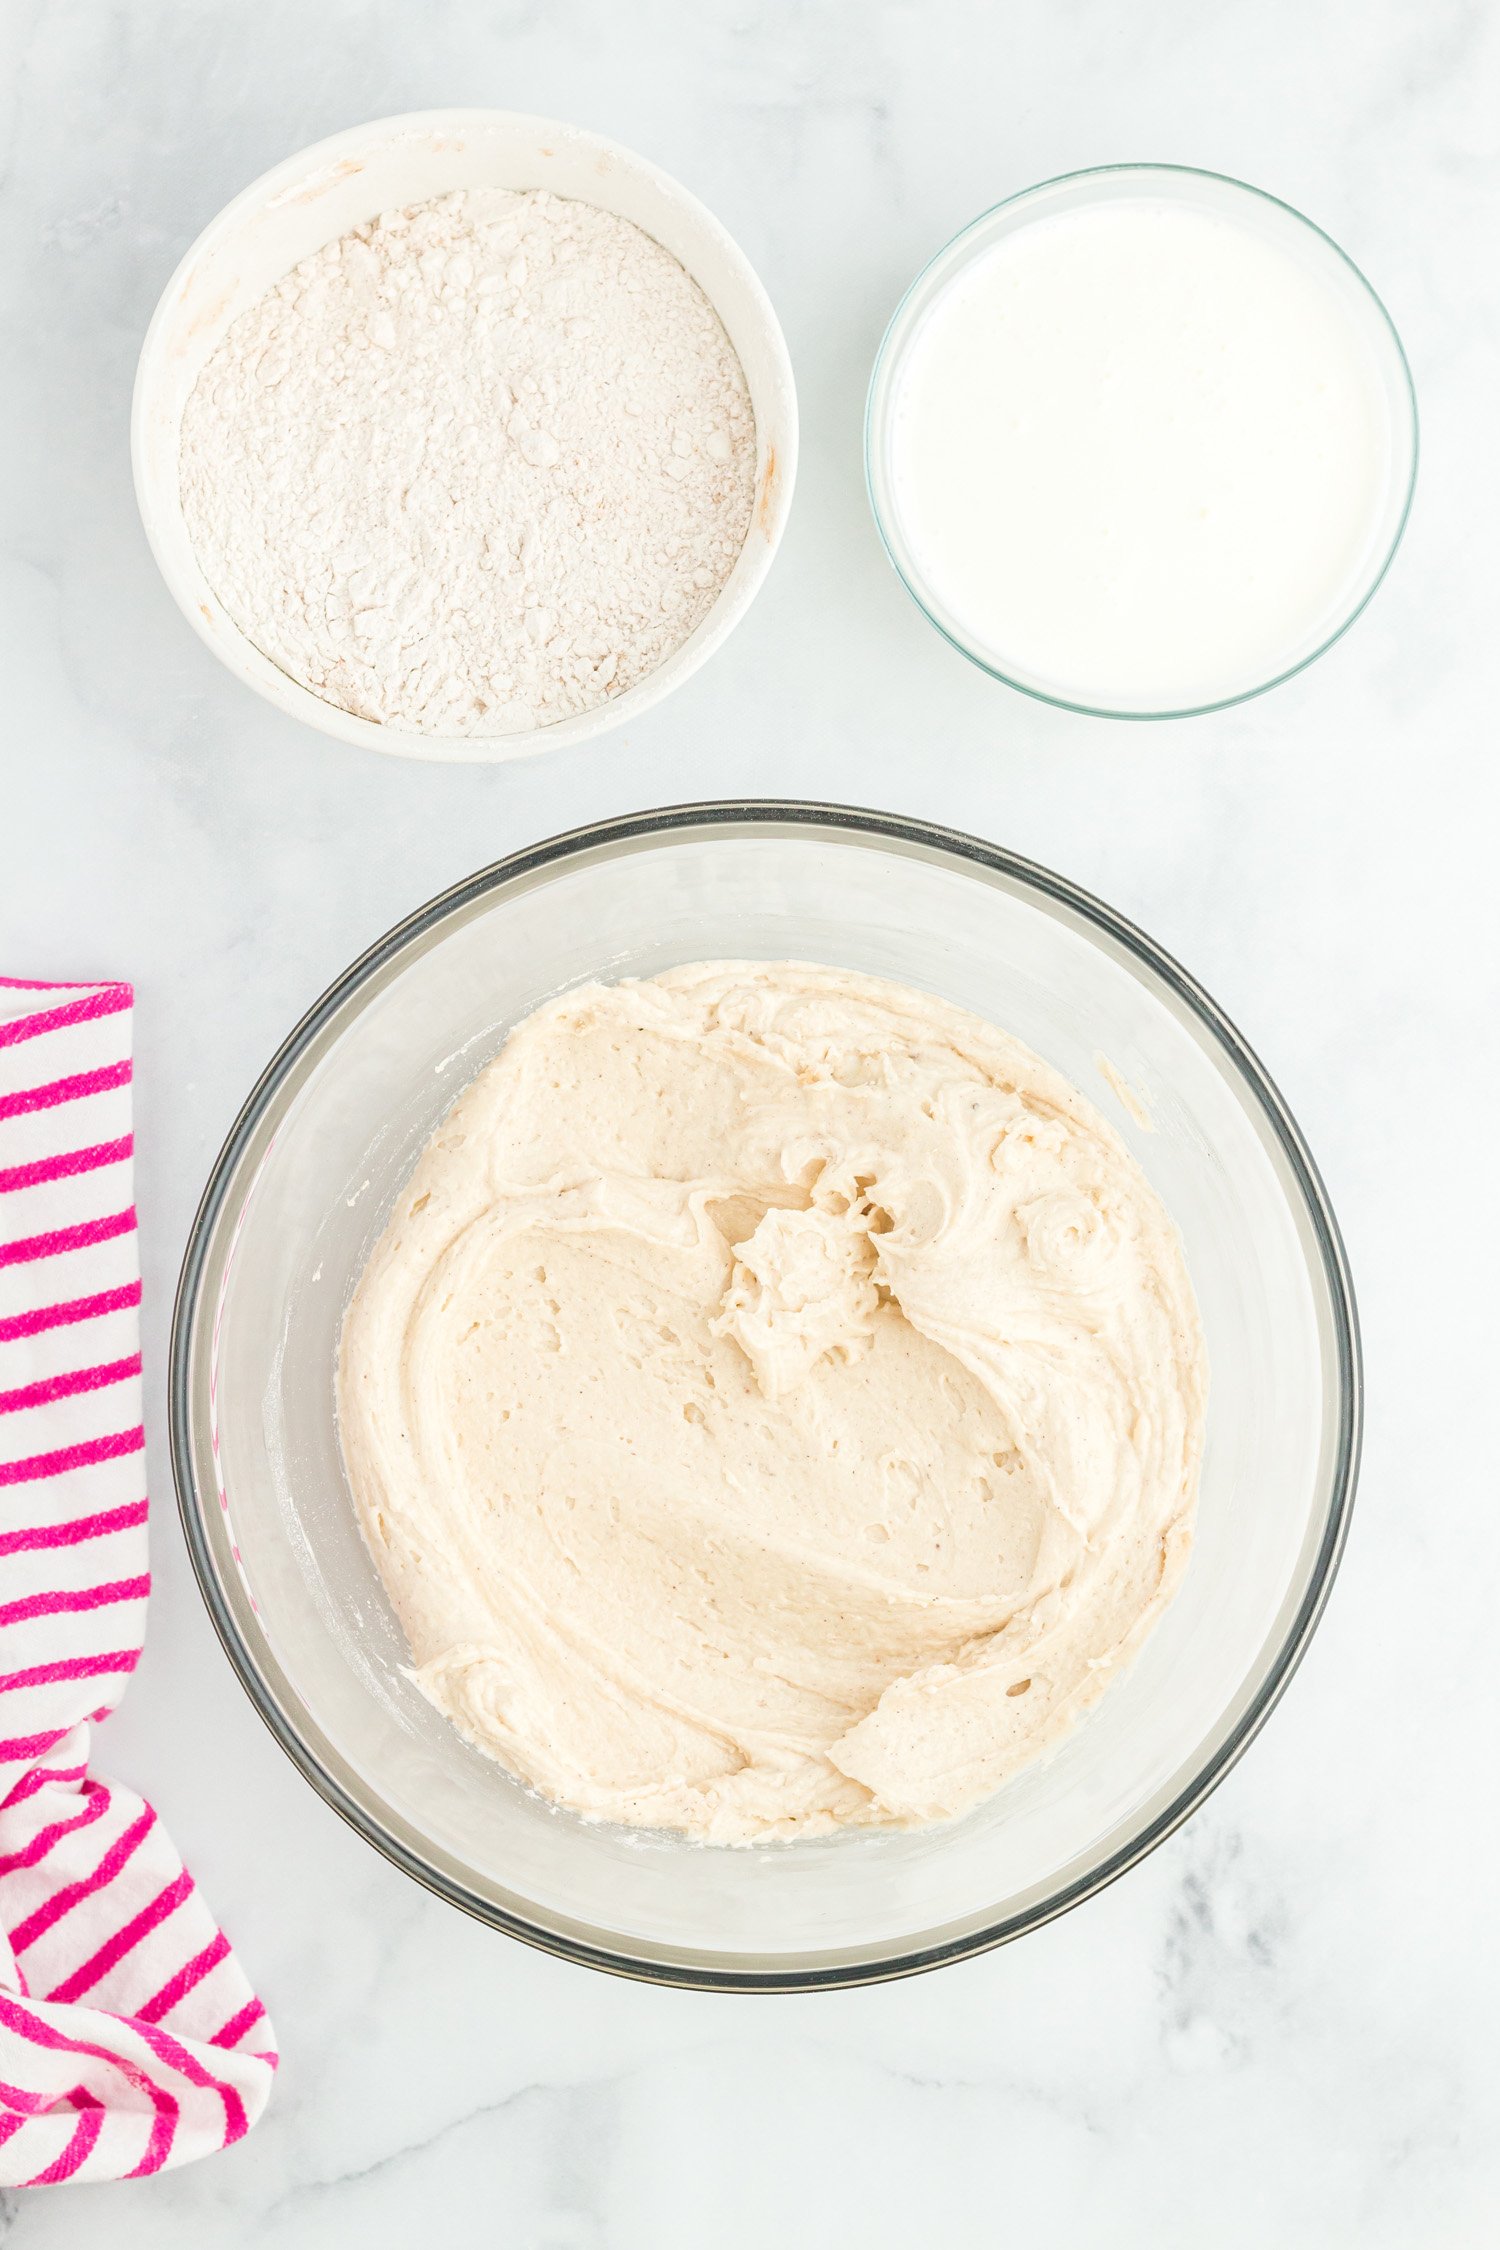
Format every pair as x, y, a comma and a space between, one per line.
305, 1186
321, 194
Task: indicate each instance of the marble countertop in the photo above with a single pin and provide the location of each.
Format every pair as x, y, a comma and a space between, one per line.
1280, 2027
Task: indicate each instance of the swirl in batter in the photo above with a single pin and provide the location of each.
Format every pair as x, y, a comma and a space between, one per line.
775, 1404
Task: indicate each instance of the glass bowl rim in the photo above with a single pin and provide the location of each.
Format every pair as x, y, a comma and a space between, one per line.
886, 361
907, 837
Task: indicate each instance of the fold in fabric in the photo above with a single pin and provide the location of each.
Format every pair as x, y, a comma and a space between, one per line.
130, 2039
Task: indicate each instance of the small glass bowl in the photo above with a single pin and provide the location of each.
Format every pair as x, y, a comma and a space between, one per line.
1216, 195
304, 1187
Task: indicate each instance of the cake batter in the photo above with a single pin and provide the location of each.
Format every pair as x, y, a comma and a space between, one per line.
775, 1404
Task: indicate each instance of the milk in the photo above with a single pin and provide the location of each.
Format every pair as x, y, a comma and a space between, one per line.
1139, 455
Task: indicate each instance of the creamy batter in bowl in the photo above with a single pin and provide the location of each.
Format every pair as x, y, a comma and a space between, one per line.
308, 1184
774, 1406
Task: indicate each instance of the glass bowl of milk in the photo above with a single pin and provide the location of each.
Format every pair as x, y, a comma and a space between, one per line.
1141, 441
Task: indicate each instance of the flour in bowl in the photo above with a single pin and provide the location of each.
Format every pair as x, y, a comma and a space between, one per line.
475, 467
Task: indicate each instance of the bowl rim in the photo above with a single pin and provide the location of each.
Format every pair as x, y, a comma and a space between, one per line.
775, 477
769, 817
887, 359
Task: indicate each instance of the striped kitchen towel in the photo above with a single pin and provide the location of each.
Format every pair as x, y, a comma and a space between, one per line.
129, 2038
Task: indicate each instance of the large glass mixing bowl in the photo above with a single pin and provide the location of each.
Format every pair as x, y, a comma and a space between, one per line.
302, 1190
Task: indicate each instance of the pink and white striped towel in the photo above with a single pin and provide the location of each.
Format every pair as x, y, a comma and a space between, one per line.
129, 2038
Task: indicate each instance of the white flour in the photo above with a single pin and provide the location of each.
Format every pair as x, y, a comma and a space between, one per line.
479, 465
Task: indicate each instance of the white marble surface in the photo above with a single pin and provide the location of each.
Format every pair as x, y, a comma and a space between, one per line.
1279, 2029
